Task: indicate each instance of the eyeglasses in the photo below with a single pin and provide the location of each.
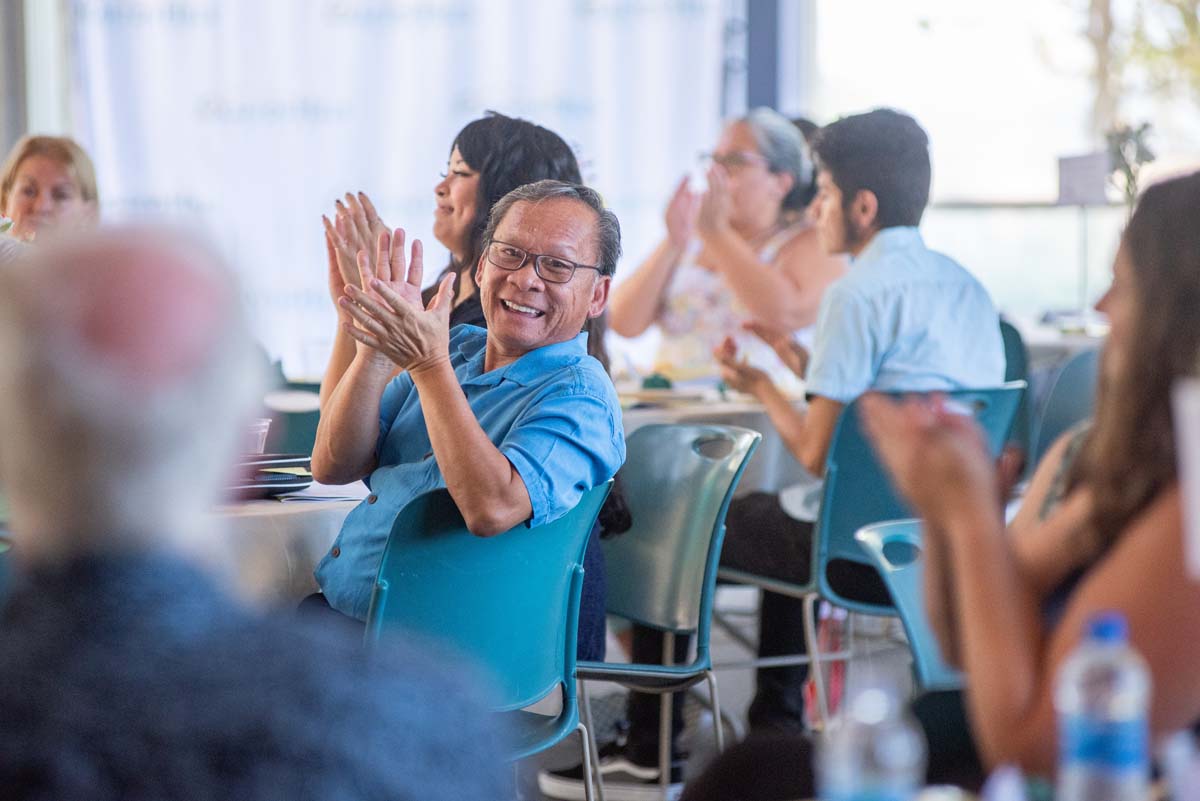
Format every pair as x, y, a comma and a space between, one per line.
551, 269
735, 160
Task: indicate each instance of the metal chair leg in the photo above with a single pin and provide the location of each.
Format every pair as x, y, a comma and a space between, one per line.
718, 726
593, 750
814, 655
665, 721
589, 793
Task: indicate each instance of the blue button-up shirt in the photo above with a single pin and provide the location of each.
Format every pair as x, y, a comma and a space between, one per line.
553, 413
904, 317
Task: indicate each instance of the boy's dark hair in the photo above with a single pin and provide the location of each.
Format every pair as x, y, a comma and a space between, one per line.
883, 151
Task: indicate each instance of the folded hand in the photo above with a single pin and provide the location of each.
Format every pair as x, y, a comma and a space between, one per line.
936, 456
737, 373
355, 230
388, 315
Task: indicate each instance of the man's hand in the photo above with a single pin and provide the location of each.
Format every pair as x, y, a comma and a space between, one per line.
790, 352
737, 373
388, 316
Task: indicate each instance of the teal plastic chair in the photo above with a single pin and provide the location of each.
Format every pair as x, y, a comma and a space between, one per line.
294, 431
894, 547
857, 493
1016, 368
662, 573
1070, 399
509, 604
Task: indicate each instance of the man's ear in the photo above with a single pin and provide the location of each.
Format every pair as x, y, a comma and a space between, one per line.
599, 296
479, 270
864, 211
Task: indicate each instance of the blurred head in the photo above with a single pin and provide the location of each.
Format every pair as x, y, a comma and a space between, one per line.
489, 158
808, 130
1155, 339
768, 166
129, 374
528, 306
874, 173
47, 184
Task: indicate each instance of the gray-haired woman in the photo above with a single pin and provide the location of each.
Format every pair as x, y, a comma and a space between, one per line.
742, 254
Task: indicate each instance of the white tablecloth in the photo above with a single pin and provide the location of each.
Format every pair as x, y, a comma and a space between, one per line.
276, 544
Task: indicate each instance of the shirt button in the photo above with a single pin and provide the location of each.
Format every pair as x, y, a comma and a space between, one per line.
372, 498
336, 552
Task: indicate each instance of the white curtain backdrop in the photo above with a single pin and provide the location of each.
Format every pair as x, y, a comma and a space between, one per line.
247, 118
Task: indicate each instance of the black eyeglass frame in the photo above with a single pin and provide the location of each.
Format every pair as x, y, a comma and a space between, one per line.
537, 265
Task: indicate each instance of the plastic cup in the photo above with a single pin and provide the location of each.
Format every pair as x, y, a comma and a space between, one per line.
256, 435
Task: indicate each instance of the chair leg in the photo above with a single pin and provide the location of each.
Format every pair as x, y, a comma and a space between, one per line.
814, 655
665, 721
592, 751
718, 727
589, 791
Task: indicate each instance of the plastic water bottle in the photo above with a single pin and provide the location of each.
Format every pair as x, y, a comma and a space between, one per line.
1102, 698
876, 753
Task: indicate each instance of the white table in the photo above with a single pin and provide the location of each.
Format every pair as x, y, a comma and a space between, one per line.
275, 545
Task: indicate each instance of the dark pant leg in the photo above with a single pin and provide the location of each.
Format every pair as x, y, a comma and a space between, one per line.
315, 608
592, 626
761, 538
643, 708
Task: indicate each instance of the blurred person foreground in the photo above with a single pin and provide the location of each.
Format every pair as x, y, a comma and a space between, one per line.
128, 673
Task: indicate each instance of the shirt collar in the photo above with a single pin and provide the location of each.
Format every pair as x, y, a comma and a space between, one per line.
899, 237
529, 368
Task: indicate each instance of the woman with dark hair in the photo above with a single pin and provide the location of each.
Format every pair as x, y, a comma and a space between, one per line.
1100, 529
489, 158
742, 253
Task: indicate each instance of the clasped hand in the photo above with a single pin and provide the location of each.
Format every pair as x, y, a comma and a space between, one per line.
387, 313
936, 457
737, 373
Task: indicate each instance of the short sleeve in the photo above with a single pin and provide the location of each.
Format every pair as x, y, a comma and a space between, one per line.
563, 445
394, 396
845, 360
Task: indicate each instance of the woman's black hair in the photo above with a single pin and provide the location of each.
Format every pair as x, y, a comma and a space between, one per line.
508, 152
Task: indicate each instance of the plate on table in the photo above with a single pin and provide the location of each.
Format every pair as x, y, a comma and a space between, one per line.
266, 475
663, 396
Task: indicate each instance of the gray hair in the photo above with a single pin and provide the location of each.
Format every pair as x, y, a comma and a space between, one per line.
94, 458
781, 144
608, 228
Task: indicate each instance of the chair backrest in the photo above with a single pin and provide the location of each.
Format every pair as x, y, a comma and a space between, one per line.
508, 603
1016, 368
678, 480
858, 492
895, 549
294, 413
1070, 399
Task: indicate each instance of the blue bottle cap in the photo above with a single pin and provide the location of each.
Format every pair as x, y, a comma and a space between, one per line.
1108, 627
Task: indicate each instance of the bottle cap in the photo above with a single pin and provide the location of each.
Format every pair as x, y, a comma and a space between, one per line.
1108, 627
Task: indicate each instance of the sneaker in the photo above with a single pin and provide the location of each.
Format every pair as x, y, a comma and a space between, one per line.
624, 780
